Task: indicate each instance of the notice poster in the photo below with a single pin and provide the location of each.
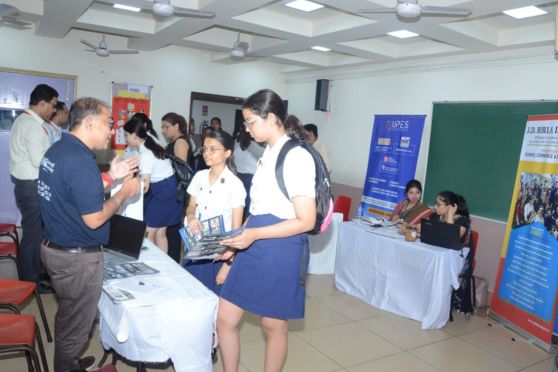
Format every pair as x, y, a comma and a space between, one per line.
392, 162
527, 280
127, 99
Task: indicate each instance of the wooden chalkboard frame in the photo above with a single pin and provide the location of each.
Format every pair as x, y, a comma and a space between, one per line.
474, 151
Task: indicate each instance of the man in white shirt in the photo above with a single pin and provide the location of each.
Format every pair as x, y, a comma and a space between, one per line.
312, 131
29, 141
58, 123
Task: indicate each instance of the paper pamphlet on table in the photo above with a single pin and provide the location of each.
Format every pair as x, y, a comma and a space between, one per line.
131, 207
207, 245
127, 270
376, 221
116, 294
389, 231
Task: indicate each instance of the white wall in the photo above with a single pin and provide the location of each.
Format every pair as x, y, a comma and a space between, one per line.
224, 111
357, 95
174, 72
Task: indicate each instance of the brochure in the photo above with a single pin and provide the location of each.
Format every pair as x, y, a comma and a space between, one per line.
127, 270
117, 295
207, 244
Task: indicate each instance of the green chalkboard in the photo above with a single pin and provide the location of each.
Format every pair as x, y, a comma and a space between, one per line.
474, 151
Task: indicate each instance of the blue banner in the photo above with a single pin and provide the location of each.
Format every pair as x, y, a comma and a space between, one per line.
392, 162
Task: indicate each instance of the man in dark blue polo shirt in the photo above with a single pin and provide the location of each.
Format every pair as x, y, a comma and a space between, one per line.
75, 215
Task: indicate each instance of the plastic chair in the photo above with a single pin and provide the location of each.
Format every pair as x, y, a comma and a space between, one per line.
10, 251
9, 230
18, 333
343, 205
16, 292
474, 241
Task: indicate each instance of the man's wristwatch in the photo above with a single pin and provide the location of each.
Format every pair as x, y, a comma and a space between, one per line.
229, 262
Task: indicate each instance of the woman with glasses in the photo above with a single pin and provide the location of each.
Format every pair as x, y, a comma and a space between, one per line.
160, 207
175, 130
452, 208
213, 192
269, 270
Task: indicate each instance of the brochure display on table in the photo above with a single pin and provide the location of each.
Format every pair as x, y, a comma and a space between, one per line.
527, 282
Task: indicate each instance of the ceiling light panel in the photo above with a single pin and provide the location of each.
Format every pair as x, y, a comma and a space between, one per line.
402, 34
304, 5
126, 7
321, 49
526, 12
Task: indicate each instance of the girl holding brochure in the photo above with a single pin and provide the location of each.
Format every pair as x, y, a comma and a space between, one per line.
269, 271
213, 192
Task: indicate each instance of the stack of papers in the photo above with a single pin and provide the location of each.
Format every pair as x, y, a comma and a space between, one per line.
376, 221
127, 270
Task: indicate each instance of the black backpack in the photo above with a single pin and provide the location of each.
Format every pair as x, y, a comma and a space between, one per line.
324, 200
184, 175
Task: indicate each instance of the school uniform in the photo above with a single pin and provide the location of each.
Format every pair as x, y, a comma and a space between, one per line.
220, 198
268, 278
160, 207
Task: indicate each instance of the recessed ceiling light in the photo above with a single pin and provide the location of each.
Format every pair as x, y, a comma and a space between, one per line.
321, 49
526, 12
305, 6
402, 34
126, 7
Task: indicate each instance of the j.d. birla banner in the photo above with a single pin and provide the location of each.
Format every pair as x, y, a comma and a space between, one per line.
526, 285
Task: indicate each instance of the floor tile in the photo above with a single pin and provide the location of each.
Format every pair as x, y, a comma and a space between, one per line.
402, 362
250, 329
320, 285
301, 356
500, 341
544, 366
349, 344
460, 325
316, 316
350, 306
403, 332
457, 355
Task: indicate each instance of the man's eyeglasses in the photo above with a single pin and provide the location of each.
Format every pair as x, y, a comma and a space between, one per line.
211, 149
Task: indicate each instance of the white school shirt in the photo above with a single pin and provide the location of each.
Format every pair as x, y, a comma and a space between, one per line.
299, 174
226, 193
159, 169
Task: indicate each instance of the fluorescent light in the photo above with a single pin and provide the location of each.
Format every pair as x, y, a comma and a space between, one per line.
402, 34
305, 6
321, 49
526, 12
126, 7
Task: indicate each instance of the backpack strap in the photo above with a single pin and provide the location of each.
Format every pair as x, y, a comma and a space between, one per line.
290, 144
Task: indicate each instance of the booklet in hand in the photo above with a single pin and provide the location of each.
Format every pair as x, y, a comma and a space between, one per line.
207, 245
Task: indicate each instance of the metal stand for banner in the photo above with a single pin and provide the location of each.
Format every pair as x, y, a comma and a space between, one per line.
551, 348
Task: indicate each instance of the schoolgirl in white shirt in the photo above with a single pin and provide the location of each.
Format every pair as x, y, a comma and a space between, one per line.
213, 192
160, 207
267, 277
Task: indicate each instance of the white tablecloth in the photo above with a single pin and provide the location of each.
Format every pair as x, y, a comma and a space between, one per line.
411, 279
172, 316
323, 247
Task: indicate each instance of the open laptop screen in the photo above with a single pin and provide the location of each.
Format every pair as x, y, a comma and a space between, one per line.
126, 235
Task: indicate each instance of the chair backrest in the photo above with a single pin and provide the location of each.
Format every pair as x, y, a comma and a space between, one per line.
343, 205
474, 241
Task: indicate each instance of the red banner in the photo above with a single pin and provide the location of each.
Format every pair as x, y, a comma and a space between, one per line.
123, 108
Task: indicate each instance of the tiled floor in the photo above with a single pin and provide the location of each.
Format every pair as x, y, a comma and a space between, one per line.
342, 333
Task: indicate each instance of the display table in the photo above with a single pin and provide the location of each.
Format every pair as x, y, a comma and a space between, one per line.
323, 247
172, 316
410, 279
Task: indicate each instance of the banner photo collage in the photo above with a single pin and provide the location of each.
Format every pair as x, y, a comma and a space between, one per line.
527, 280
127, 99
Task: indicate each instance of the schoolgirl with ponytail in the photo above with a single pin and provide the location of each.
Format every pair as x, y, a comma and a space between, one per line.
213, 192
160, 207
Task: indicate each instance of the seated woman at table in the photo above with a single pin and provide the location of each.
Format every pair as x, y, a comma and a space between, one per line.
452, 208
411, 210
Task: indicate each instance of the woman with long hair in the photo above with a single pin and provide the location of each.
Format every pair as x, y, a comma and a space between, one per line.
269, 270
160, 207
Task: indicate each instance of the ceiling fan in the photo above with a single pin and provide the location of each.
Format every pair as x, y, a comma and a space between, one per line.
102, 49
8, 17
411, 9
164, 8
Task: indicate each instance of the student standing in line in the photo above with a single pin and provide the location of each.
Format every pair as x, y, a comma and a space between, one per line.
269, 271
213, 192
160, 207
174, 128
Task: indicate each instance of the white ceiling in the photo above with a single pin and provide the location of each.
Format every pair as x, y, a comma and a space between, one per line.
283, 35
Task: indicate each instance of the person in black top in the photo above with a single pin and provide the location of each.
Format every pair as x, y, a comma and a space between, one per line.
175, 130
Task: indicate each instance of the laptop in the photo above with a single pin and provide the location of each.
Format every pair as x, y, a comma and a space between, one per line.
439, 233
125, 240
